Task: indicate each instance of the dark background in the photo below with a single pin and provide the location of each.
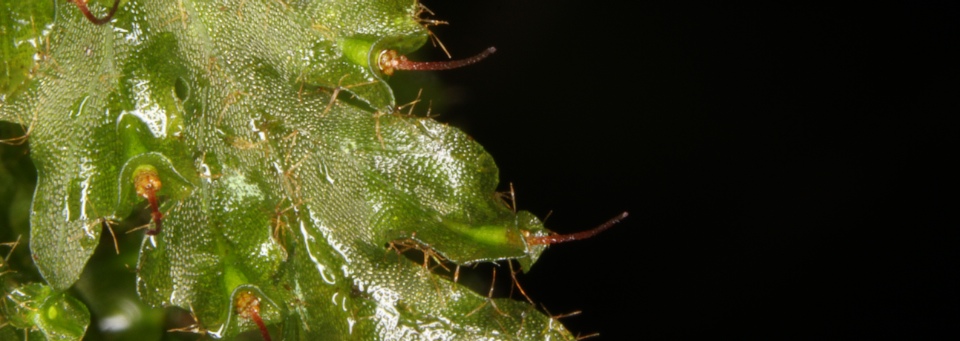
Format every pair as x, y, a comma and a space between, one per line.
786, 167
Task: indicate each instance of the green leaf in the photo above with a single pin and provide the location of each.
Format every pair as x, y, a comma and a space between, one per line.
24, 26
57, 316
284, 172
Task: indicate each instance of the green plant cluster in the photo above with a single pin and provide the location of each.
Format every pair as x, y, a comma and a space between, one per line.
260, 146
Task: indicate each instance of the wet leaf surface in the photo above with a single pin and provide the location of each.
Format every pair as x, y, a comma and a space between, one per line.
283, 174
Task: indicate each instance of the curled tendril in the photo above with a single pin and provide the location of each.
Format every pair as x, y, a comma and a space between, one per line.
82, 4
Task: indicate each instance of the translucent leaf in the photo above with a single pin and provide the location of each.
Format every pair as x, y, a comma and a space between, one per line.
36, 307
282, 174
24, 26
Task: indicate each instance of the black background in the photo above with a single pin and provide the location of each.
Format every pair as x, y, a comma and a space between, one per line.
786, 166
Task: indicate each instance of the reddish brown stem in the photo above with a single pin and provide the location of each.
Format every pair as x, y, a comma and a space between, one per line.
155, 213
447, 65
563, 238
82, 4
255, 316
248, 306
390, 61
147, 182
